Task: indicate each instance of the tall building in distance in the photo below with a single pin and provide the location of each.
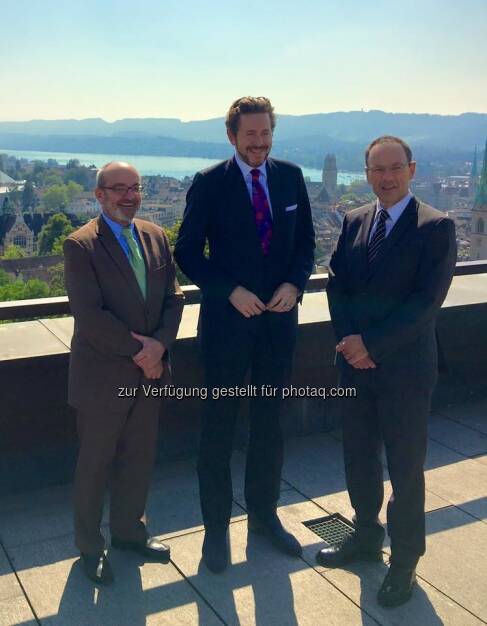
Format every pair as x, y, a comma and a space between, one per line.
473, 179
478, 240
329, 176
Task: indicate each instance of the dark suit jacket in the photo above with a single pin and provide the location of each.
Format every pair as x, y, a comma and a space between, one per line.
107, 304
394, 308
219, 210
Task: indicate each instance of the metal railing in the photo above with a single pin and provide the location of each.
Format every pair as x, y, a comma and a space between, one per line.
43, 307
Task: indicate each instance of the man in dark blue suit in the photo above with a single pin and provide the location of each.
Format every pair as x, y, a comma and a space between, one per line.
255, 214
389, 275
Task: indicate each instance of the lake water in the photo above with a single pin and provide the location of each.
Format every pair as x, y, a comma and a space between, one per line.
177, 167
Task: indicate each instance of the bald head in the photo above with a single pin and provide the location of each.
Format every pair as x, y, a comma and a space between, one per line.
117, 191
113, 167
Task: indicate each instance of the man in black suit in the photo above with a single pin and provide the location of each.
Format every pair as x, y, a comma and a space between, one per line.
255, 214
389, 275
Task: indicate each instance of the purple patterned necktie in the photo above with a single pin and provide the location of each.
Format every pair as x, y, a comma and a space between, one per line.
262, 212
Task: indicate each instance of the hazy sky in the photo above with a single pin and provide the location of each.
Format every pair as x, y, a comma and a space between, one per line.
190, 59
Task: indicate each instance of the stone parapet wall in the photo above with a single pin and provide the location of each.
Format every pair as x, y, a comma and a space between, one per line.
37, 427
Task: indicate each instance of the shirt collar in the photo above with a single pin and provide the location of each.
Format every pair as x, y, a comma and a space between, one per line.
246, 169
396, 210
115, 226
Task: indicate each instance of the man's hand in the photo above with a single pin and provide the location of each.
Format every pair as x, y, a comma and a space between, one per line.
283, 299
150, 355
154, 372
364, 364
246, 302
353, 349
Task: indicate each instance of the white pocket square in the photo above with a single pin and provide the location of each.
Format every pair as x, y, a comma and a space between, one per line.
292, 207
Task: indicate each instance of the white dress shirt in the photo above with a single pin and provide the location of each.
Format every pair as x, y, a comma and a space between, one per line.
395, 212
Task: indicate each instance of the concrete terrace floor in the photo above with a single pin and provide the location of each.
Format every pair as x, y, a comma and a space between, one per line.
41, 581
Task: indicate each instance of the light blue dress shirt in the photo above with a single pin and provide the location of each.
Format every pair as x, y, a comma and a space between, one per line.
395, 212
246, 169
116, 229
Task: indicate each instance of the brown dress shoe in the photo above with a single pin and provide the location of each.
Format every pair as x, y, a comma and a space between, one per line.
97, 568
152, 548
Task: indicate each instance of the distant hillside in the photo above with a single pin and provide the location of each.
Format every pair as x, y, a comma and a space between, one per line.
303, 138
455, 131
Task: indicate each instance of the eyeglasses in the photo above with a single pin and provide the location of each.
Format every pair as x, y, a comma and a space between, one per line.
121, 190
394, 169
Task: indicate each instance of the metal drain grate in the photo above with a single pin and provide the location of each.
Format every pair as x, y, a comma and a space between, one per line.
333, 529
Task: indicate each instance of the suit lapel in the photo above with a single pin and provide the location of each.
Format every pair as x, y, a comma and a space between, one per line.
113, 248
367, 222
240, 204
144, 239
395, 235
277, 202
149, 259
401, 225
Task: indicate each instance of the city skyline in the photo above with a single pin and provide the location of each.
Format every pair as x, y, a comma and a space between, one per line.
117, 60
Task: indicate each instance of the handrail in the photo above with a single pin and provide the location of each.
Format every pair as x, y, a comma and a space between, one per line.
43, 307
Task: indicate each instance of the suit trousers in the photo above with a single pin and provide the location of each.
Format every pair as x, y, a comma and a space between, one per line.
269, 365
117, 450
387, 413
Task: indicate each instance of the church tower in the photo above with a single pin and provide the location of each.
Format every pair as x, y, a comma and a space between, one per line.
473, 181
478, 237
330, 175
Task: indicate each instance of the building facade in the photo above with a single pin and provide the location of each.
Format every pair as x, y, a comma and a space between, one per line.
20, 235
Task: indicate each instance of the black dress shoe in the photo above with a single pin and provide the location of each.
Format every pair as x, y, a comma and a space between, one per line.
215, 550
97, 568
152, 548
397, 586
348, 551
272, 528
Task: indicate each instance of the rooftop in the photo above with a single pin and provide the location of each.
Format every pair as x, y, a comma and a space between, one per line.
41, 581
6, 180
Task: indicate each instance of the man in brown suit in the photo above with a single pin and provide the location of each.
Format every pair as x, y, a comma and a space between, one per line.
127, 306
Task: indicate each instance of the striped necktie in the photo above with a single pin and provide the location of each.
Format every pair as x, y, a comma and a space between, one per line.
136, 260
262, 212
378, 237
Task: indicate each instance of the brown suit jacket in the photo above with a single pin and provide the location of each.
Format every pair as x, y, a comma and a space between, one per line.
107, 304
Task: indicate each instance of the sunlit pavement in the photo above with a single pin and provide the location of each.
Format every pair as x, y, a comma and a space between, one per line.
41, 580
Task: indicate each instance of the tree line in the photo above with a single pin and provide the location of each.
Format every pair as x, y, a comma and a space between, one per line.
51, 239
61, 184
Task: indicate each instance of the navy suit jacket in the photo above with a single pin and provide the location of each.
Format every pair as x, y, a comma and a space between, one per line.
394, 307
219, 211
